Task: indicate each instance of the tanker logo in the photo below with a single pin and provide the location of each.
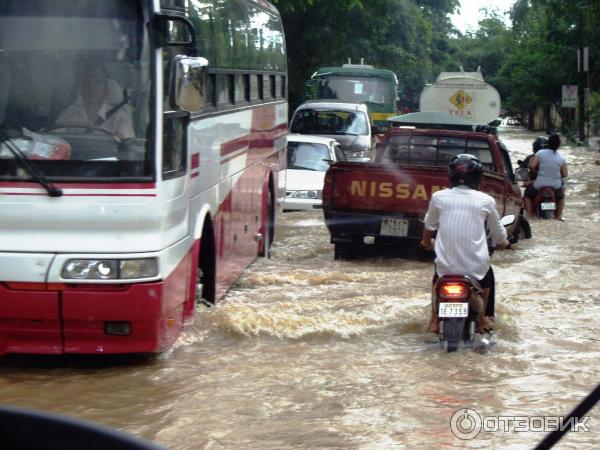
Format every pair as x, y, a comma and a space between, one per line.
461, 99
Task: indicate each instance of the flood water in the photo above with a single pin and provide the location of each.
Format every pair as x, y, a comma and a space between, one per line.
309, 353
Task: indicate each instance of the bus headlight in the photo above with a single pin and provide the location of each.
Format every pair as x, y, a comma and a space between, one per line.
109, 269
138, 268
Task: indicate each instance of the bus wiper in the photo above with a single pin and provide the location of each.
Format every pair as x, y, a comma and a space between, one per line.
38, 176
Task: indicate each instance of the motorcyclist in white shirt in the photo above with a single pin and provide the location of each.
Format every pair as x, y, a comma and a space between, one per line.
459, 215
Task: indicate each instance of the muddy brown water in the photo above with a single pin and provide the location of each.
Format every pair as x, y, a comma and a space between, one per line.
307, 353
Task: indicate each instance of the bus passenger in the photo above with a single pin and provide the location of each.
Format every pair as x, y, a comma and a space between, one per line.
91, 107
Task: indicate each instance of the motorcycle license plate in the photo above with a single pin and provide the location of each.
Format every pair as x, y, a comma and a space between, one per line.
453, 310
548, 206
394, 227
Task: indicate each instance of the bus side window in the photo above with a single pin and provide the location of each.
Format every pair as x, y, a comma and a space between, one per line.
174, 154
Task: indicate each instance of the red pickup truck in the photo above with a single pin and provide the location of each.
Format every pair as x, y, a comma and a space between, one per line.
384, 202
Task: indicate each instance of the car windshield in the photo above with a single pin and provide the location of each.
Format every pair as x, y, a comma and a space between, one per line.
329, 121
355, 89
308, 156
74, 94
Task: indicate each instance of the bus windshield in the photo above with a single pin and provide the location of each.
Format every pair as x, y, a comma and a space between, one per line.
356, 89
74, 89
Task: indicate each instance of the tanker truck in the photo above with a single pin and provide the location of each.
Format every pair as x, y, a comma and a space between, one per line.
464, 95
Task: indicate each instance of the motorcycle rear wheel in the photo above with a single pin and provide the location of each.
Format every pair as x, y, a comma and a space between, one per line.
454, 332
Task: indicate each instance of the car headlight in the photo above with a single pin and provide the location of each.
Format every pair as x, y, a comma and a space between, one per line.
360, 154
306, 194
109, 269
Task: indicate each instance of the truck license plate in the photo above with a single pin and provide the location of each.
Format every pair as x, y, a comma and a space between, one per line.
548, 206
453, 310
394, 227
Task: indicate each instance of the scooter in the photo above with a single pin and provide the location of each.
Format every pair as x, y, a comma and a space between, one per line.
544, 203
459, 302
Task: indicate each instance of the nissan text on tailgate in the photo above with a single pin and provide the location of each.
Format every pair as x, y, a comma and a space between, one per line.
385, 202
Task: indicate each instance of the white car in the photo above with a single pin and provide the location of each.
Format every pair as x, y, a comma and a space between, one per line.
308, 158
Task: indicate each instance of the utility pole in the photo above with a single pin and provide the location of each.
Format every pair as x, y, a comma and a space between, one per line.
583, 66
582, 80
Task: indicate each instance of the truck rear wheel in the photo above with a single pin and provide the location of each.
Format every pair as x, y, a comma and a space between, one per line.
346, 250
340, 250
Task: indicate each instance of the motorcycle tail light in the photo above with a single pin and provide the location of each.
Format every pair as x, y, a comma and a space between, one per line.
454, 291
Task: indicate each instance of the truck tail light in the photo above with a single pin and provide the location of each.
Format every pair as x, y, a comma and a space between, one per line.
327, 187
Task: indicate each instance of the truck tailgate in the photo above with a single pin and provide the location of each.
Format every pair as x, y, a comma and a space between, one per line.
370, 187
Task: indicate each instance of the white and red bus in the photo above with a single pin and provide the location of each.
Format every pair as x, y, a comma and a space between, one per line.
141, 143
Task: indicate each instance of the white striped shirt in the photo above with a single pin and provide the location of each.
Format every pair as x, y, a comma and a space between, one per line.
460, 214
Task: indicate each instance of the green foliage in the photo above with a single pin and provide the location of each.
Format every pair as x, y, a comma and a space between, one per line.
528, 62
595, 114
408, 37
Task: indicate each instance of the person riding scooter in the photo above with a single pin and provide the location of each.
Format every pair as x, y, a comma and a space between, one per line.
539, 143
551, 169
459, 215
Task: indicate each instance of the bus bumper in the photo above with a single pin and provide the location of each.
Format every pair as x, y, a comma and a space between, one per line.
137, 318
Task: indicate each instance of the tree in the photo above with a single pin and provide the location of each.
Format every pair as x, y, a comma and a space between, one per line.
405, 36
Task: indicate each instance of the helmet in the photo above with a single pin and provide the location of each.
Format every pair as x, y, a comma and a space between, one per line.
540, 143
465, 169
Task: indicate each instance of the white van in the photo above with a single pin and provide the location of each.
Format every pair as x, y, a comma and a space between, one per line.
347, 123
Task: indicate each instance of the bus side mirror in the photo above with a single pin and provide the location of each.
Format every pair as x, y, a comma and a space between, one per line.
190, 83
310, 90
173, 31
399, 93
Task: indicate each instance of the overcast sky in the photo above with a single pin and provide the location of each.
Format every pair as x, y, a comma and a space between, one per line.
469, 12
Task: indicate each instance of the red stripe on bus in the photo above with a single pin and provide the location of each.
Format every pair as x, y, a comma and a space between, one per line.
195, 160
233, 146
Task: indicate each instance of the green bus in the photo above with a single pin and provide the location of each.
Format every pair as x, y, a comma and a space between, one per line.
357, 83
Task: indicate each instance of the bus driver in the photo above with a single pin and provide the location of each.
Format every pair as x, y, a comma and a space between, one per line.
91, 108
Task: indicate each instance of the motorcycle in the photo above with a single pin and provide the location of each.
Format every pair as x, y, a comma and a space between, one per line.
459, 302
544, 203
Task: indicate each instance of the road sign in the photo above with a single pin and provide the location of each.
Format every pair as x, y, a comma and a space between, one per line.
569, 96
